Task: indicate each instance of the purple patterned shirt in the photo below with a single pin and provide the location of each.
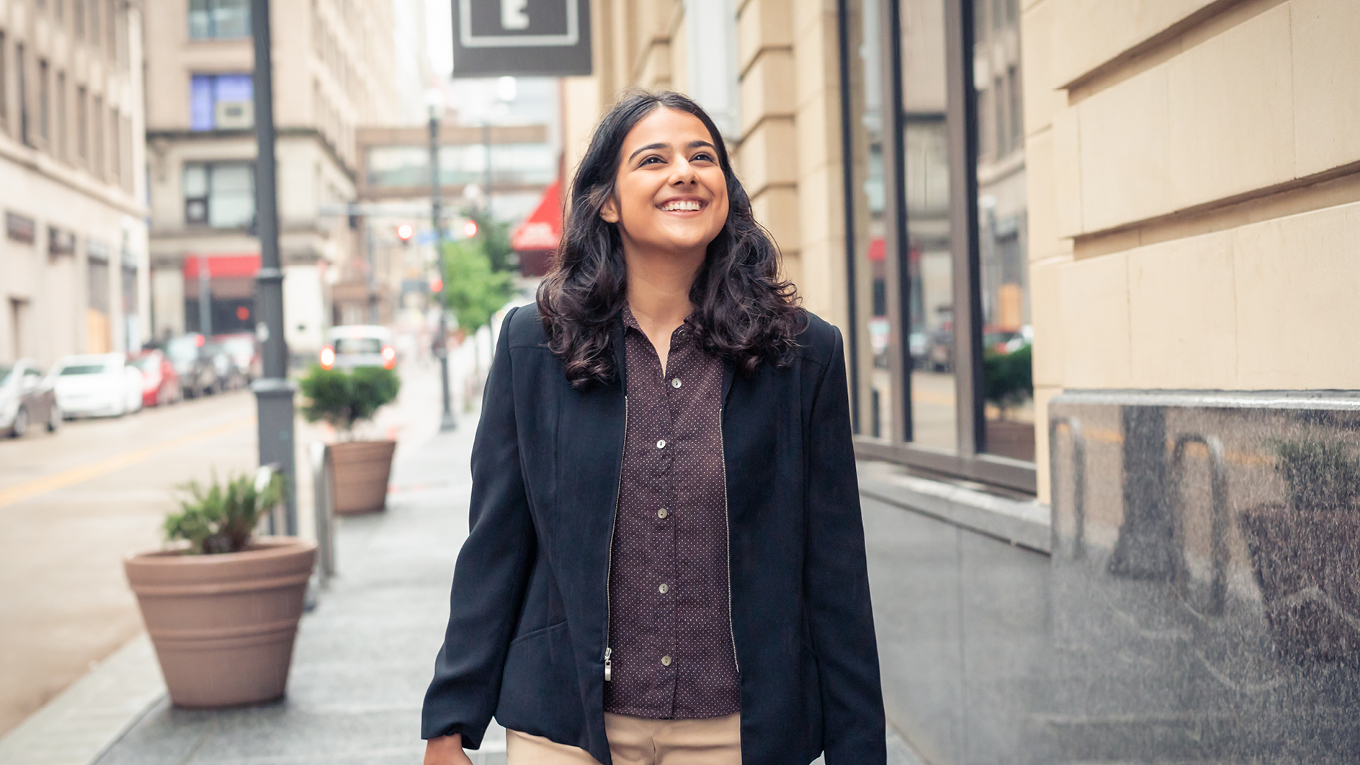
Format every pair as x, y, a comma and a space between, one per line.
670, 628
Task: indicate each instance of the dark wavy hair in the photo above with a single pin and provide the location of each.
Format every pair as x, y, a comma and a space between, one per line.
745, 313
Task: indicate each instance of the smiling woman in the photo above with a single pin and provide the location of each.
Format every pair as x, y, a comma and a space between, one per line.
666, 560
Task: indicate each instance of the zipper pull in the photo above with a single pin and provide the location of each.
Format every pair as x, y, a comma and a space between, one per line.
608, 664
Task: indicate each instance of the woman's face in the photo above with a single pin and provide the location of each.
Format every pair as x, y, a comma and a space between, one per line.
670, 193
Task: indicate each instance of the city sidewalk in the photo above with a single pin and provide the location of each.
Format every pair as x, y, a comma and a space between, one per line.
362, 660
364, 655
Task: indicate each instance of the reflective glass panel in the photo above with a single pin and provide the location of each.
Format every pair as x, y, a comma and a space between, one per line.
875, 337
929, 259
1008, 387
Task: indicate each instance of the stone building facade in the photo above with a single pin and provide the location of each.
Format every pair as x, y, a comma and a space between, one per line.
334, 70
73, 256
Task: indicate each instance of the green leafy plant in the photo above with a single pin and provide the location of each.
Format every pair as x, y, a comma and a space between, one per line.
473, 288
1321, 475
343, 399
221, 518
1007, 378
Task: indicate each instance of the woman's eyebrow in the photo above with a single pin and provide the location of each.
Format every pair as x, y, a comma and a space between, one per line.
692, 145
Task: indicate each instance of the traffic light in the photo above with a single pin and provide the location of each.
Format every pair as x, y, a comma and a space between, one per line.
470, 229
436, 284
405, 231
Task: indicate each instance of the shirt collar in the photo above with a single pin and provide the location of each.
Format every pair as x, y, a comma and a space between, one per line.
630, 321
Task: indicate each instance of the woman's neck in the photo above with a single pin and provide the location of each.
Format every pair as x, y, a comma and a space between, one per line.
658, 293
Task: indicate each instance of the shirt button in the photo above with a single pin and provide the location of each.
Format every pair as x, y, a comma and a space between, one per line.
661, 444
665, 661
664, 588
662, 513
675, 383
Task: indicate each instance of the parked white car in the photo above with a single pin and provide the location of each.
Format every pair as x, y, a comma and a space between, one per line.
358, 345
93, 385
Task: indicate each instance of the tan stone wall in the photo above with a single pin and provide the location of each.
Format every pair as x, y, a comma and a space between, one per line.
1194, 195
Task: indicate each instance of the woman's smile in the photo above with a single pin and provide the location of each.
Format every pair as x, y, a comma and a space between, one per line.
683, 205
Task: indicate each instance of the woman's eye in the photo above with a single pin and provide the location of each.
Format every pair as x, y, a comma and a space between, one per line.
648, 160
702, 156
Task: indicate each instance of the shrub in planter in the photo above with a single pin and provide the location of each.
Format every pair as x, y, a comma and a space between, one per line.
359, 469
221, 605
1305, 554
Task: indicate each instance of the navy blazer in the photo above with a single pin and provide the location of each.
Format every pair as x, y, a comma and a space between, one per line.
527, 622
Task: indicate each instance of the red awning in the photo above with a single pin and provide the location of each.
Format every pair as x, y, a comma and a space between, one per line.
223, 266
542, 230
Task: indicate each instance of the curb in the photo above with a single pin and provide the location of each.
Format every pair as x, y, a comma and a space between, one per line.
83, 721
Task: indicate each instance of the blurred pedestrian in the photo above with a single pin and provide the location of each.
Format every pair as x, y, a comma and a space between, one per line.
666, 560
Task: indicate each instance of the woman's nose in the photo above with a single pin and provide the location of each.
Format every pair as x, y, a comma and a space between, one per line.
683, 173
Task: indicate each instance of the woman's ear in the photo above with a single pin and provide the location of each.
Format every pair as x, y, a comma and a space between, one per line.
609, 211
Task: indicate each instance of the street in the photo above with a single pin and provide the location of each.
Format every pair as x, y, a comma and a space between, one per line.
74, 503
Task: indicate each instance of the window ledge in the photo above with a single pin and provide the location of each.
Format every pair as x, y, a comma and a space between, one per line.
1022, 522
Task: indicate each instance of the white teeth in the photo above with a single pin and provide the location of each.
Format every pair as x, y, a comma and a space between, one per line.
680, 204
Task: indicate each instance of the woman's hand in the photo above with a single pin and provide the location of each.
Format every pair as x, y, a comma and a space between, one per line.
446, 750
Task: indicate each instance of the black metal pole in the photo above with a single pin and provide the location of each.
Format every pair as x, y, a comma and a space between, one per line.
441, 346
273, 391
486, 141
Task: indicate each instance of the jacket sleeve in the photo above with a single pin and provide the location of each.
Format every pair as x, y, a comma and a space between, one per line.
490, 577
837, 581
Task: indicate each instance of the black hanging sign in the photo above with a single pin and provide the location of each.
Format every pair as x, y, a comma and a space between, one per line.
522, 38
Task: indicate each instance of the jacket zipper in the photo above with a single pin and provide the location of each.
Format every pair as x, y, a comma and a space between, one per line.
609, 567
727, 520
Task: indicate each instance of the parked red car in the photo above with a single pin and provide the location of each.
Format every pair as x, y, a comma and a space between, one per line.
160, 381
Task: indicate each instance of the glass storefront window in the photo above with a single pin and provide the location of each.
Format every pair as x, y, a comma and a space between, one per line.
1008, 388
873, 333
930, 268
936, 231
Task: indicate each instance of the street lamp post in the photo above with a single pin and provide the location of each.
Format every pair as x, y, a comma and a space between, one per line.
436, 103
273, 391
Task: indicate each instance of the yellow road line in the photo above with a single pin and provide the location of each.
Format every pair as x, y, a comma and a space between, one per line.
95, 469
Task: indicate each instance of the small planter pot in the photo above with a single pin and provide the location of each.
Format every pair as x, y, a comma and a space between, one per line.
359, 473
1307, 565
223, 625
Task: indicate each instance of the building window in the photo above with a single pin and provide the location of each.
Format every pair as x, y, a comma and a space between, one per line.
97, 137
221, 102
219, 195
82, 123
44, 102
218, 19
62, 148
939, 337
116, 149
94, 21
78, 8
20, 72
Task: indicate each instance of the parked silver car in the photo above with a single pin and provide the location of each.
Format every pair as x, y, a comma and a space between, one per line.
26, 398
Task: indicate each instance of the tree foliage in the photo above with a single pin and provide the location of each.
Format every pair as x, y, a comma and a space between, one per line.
343, 399
473, 288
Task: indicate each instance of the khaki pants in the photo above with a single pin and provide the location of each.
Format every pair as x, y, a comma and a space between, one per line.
640, 741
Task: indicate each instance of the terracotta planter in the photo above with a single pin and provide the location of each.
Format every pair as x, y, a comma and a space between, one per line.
1307, 565
359, 473
223, 625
